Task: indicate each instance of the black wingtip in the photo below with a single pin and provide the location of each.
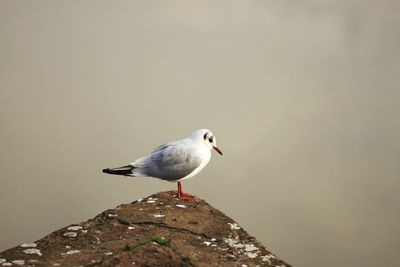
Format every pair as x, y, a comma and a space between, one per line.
124, 170
108, 170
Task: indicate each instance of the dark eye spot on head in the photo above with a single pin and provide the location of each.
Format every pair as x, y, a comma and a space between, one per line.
205, 136
210, 139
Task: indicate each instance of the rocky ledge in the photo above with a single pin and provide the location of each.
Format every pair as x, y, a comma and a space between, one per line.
159, 230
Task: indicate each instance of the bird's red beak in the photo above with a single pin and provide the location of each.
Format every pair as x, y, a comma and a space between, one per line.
217, 149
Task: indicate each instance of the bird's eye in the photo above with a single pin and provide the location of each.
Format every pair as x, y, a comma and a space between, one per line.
210, 139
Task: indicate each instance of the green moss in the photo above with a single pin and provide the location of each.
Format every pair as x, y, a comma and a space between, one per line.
160, 240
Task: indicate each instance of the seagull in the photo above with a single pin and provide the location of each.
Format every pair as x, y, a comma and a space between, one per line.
175, 161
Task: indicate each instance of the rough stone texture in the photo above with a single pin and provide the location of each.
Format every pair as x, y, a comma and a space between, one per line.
160, 230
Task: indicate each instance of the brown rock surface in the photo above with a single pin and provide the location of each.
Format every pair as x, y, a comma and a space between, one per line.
160, 230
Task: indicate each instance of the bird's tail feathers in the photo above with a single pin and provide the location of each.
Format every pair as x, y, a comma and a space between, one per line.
124, 170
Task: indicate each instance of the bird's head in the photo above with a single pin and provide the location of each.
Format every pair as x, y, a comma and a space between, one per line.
207, 137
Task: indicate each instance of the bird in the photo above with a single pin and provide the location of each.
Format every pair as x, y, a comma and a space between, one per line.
174, 161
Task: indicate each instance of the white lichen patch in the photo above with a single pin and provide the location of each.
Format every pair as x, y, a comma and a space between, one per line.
234, 226
267, 258
207, 243
182, 206
233, 243
19, 262
84, 231
7, 264
74, 228
214, 245
70, 234
108, 253
250, 247
283, 265
56, 264
140, 200
131, 228
213, 239
28, 245
251, 255
151, 200
249, 250
32, 251
159, 215
74, 251
33, 261
111, 215
67, 247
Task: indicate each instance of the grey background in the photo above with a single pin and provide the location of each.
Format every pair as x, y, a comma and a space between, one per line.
303, 97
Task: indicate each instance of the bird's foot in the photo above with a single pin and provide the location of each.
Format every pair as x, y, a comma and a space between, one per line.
184, 196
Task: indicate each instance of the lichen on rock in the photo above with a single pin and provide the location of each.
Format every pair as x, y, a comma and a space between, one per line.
159, 230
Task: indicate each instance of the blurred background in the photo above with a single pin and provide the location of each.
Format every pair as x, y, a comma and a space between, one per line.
303, 97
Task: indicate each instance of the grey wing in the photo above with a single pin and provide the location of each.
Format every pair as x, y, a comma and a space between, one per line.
172, 161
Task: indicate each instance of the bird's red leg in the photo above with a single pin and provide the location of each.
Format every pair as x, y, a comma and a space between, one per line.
181, 195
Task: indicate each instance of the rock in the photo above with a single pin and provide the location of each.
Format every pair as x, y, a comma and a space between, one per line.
190, 233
